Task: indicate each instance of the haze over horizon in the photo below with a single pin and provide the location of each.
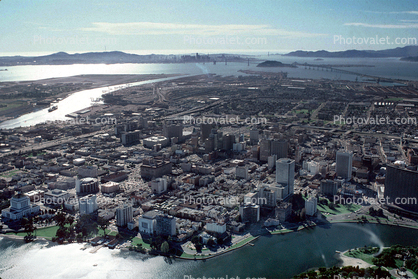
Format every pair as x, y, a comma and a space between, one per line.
177, 27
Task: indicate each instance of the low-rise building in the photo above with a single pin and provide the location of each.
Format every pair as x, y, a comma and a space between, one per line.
159, 185
151, 141
215, 227
109, 187
56, 196
147, 222
87, 185
155, 169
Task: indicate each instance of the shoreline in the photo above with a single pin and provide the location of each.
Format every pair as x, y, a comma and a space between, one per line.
350, 261
187, 256
94, 80
18, 237
372, 222
339, 255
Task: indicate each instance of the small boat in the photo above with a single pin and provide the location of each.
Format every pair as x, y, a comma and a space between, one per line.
52, 108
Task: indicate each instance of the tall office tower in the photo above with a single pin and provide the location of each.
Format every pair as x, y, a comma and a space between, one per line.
171, 130
272, 162
255, 152
209, 145
311, 206
241, 172
285, 174
124, 215
254, 136
227, 142
265, 147
298, 154
205, 130
166, 225
266, 134
280, 148
217, 139
401, 188
344, 164
129, 138
250, 212
329, 187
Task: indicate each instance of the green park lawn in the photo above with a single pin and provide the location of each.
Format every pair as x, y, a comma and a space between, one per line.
302, 111
10, 173
48, 232
136, 241
360, 255
11, 106
340, 209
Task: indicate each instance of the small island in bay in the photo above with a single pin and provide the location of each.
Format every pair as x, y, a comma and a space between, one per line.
272, 63
410, 59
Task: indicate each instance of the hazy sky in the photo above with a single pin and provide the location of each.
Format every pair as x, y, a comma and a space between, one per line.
159, 26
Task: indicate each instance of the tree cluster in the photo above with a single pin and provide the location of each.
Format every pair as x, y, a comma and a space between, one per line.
346, 272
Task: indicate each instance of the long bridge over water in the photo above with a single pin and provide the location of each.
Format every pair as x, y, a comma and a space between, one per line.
333, 68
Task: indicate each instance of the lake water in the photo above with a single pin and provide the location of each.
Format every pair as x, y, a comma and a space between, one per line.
278, 256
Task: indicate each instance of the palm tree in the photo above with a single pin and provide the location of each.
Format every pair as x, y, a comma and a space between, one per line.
165, 247
103, 224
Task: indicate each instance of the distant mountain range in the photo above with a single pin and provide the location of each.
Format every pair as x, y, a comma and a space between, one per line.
63, 58
408, 51
113, 57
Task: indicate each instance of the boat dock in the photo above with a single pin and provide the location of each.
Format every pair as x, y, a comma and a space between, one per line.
95, 249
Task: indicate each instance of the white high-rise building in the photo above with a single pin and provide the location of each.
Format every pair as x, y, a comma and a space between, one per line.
344, 166
219, 228
124, 215
88, 204
311, 166
285, 174
311, 206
